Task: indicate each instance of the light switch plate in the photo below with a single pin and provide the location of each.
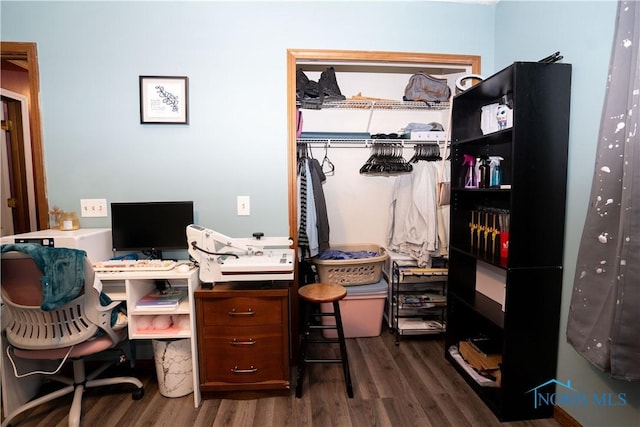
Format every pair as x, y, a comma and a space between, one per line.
93, 207
244, 205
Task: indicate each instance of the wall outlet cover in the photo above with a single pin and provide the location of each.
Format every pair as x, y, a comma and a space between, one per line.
93, 207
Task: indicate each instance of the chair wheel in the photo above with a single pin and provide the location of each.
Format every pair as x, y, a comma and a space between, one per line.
138, 393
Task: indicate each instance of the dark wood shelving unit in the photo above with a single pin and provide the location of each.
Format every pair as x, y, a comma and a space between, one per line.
534, 149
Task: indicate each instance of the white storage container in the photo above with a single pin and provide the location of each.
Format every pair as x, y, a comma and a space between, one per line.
361, 311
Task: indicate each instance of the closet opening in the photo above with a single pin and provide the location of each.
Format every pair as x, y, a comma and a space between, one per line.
372, 84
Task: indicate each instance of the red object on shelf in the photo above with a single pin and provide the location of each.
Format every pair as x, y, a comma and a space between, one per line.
504, 244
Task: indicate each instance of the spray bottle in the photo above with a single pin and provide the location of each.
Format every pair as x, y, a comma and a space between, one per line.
484, 172
496, 170
470, 171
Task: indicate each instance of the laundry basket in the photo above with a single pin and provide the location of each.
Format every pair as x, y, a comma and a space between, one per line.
350, 272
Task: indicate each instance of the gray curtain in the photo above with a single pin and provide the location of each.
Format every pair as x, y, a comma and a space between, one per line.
604, 316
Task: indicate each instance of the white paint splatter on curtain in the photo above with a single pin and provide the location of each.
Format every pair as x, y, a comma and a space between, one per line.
604, 316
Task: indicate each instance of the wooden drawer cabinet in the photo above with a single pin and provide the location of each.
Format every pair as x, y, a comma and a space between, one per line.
243, 335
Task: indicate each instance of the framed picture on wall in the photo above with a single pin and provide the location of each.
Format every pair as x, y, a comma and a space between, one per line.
164, 100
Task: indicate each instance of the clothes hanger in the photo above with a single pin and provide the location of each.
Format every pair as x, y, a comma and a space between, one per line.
386, 158
429, 152
303, 152
328, 168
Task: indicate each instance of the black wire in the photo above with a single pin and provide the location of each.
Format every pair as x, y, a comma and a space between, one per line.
193, 244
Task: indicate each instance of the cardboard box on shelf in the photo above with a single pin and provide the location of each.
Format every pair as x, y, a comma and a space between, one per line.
479, 360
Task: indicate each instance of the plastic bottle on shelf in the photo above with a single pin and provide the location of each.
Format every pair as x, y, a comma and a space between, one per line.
496, 171
484, 172
468, 163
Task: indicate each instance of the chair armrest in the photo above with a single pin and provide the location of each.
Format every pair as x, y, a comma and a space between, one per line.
103, 321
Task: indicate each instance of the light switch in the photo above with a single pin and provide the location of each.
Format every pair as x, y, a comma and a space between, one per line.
244, 207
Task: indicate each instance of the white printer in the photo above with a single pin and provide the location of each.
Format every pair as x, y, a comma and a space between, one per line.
96, 242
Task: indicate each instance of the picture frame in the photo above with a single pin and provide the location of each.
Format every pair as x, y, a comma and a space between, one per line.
164, 100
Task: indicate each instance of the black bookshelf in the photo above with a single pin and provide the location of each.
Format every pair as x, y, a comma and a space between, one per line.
534, 169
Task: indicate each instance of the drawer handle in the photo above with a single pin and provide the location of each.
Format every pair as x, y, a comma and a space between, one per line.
251, 370
250, 341
233, 312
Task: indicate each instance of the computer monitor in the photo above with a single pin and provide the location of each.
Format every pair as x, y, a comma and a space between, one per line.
150, 227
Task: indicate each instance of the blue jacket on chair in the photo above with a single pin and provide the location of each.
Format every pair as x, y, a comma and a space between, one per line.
63, 271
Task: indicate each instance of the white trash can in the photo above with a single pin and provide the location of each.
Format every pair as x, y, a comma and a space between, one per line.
173, 366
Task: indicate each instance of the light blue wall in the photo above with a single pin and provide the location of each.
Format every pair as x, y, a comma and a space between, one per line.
234, 53
91, 54
583, 32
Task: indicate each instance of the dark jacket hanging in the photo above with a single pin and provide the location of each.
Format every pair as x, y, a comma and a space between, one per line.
317, 178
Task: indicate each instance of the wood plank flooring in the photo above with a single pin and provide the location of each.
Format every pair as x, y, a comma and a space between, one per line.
407, 385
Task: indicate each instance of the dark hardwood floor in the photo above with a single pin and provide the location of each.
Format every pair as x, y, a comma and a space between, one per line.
406, 385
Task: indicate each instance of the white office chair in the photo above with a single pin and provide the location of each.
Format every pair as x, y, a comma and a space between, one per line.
70, 332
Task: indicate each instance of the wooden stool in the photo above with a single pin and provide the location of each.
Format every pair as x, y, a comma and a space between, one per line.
313, 295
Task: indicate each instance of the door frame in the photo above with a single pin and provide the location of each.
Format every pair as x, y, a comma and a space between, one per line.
339, 56
27, 52
26, 192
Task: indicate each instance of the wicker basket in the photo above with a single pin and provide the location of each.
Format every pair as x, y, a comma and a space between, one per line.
352, 272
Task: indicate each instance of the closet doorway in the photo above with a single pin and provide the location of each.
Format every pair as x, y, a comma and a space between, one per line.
353, 65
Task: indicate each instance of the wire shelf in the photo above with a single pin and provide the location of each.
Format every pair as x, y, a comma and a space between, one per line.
357, 104
363, 142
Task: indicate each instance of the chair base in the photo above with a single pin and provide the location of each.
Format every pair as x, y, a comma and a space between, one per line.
77, 385
310, 326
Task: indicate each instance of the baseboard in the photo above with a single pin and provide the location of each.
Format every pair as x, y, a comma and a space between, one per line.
564, 419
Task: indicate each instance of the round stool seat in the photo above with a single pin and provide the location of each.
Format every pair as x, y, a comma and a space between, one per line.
322, 292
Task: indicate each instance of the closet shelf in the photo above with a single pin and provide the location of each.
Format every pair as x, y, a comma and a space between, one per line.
357, 104
365, 142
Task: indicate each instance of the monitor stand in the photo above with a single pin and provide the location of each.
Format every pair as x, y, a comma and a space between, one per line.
153, 253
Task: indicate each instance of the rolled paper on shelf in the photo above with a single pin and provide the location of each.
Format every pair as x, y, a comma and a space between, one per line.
472, 226
162, 321
183, 323
143, 322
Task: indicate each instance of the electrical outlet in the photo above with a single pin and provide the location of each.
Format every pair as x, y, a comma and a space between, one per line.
93, 207
244, 207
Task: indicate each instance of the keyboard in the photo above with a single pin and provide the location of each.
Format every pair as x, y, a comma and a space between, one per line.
135, 265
